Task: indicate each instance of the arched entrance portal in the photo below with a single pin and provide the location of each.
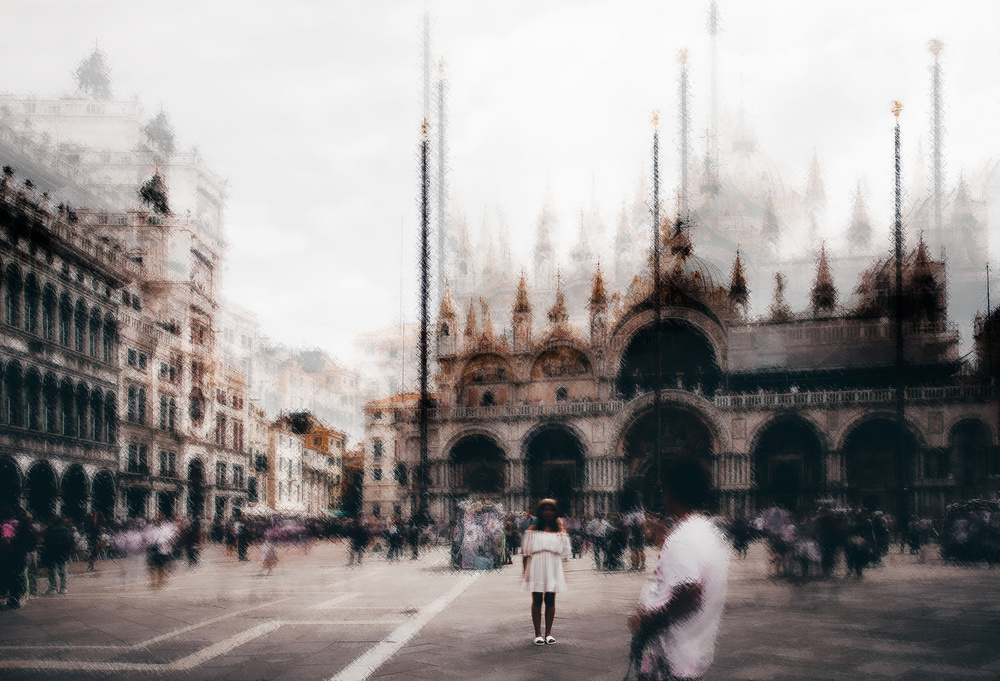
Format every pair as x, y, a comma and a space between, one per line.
687, 360
874, 454
75, 490
103, 496
478, 466
682, 433
10, 482
555, 468
41, 490
196, 489
788, 465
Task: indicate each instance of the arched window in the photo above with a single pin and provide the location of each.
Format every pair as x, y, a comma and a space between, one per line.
82, 404
66, 408
141, 407
32, 301
172, 415
49, 312
109, 339
95, 332
79, 326
562, 394
97, 416
489, 399
12, 296
14, 394
110, 419
65, 320
50, 405
33, 400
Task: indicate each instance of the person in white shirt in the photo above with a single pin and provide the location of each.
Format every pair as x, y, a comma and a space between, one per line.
545, 546
676, 622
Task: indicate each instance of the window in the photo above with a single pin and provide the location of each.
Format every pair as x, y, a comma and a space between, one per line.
220, 474
252, 490
489, 399
133, 358
220, 396
220, 430
238, 443
137, 459
376, 474
133, 400
141, 407
142, 361
377, 448
49, 313
168, 464
376, 510
562, 395
238, 476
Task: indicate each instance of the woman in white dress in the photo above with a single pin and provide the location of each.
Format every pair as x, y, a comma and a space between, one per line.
544, 547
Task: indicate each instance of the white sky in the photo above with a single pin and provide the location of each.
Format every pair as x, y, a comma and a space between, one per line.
311, 110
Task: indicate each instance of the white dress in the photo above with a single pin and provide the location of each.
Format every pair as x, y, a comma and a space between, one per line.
547, 551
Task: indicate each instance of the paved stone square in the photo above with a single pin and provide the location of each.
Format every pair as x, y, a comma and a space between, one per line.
316, 619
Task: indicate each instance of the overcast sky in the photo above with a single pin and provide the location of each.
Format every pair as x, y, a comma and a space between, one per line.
311, 110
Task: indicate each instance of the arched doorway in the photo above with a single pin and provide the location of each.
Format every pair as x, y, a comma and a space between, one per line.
478, 466
10, 482
103, 496
788, 467
555, 468
41, 490
687, 360
196, 489
875, 454
969, 442
682, 433
75, 490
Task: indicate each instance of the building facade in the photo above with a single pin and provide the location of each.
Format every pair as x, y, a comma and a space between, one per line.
792, 409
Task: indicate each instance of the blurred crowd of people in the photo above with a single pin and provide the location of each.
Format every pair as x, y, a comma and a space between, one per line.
800, 546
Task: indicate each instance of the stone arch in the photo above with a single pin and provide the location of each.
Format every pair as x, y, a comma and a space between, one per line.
81, 417
196, 488
66, 413
697, 405
707, 326
50, 403
109, 338
561, 358
11, 482
788, 453
75, 492
878, 453
41, 490
486, 372
104, 493
684, 431
94, 333
689, 359
110, 418
97, 415
554, 454
478, 464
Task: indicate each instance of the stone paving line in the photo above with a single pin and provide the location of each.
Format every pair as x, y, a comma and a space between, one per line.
319, 620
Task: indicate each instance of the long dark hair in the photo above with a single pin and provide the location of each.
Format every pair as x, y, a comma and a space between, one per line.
540, 523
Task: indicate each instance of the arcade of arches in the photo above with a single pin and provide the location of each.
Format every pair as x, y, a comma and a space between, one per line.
687, 360
44, 493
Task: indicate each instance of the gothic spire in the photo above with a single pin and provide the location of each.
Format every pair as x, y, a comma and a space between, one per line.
739, 294
521, 303
558, 316
815, 189
779, 310
487, 335
470, 324
859, 233
824, 293
598, 297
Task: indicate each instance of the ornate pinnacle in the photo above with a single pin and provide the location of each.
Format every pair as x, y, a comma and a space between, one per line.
935, 47
897, 108
682, 56
424, 127
656, 117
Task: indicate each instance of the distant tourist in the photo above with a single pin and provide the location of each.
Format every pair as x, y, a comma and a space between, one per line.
677, 619
545, 545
